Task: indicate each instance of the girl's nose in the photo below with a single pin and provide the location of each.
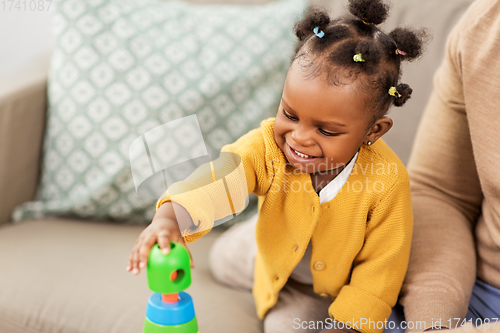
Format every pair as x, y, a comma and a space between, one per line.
302, 136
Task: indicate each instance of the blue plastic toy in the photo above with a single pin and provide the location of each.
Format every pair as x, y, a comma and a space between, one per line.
169, 310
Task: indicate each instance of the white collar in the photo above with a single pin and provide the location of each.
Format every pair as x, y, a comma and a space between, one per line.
329, 192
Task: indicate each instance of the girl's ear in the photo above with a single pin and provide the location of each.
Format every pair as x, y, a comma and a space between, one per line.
379, 128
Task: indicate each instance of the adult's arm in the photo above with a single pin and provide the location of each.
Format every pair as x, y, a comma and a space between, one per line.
446, 198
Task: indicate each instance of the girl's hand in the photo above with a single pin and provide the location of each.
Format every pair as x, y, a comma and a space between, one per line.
161, 231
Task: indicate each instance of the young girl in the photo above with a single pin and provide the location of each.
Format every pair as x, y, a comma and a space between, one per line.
333, 234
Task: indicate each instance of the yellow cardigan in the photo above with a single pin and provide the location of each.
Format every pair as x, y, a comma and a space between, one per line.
360, 239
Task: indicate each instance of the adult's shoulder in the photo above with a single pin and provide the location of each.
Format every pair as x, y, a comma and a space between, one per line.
477, 30
479, 13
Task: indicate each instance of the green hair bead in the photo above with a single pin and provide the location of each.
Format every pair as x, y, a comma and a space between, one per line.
358, 58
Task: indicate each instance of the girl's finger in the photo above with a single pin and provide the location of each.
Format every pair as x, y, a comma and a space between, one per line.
163, 239
134, 266
145, 249
130, 263
130, 258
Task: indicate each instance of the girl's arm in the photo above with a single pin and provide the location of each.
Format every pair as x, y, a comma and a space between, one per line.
213, 191
188, 209
220, 188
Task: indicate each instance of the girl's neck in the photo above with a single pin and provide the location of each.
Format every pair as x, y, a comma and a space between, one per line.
322, 178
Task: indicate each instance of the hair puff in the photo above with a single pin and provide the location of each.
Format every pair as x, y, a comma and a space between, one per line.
405, 91
409, 41
316, 17
369, 53
353, 48
369, 11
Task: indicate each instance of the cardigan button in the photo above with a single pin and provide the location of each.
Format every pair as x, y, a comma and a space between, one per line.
323, 295
319, 266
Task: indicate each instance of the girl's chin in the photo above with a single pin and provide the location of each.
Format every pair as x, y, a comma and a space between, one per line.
305, 168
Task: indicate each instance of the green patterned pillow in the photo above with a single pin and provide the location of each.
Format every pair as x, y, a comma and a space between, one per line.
121, 68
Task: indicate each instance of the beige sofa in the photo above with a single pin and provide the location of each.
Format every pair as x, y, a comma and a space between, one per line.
59, 275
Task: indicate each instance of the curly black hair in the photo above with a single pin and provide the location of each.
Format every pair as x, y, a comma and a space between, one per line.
349, 46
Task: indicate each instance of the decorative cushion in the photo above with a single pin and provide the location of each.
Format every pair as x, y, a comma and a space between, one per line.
121, 68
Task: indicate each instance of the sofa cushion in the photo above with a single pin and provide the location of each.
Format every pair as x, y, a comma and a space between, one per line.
121, 68
69, 276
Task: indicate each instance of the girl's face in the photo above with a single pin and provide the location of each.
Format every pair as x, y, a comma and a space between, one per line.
320, 126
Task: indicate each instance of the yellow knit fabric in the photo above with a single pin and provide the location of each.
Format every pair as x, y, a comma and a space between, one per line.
360, 239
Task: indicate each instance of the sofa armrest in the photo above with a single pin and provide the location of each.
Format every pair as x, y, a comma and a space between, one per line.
23, 103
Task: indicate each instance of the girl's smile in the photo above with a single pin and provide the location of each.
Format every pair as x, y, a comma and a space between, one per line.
303, 158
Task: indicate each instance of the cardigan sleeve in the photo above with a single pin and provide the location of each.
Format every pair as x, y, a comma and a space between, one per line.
219, 188
380, 266
446, 196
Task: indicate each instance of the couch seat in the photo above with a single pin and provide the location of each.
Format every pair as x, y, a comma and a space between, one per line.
42, 289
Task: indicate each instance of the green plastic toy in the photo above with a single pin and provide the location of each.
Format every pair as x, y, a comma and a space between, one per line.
170, 310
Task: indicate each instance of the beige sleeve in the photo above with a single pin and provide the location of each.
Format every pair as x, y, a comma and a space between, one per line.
446, 198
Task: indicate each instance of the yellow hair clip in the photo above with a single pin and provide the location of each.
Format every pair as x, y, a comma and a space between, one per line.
358, 58
394, 92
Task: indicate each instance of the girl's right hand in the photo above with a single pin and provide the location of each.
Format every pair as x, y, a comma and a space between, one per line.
161, 231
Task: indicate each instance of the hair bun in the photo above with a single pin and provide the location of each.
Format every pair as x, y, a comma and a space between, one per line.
409, 41
369, 11
316, 17
405, 91
370, 54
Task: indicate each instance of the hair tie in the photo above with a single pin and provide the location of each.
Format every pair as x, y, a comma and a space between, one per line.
394, 92
365, 21
318, 32
358, 58
399, 52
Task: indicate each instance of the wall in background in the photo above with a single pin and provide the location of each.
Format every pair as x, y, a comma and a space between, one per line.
24, 35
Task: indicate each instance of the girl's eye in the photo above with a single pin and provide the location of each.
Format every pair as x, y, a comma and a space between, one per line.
289, 116
328, 133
